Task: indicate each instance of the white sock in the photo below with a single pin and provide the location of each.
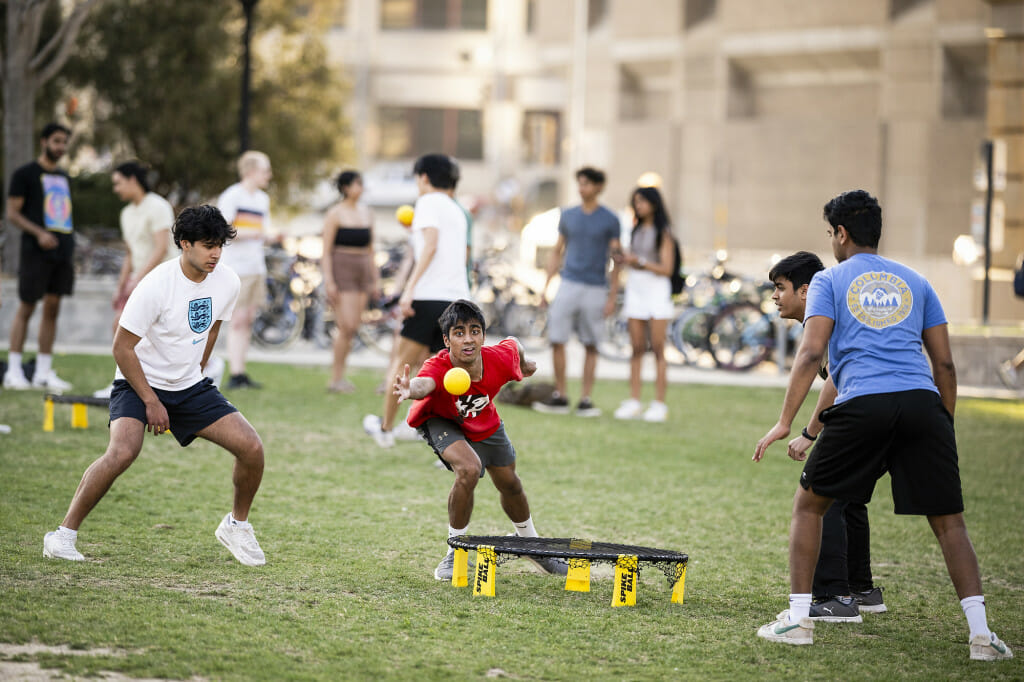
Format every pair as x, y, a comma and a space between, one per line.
454, 532
14, 364
799, 607
67, 531
234, 522
974, 609
525, 528
44, 363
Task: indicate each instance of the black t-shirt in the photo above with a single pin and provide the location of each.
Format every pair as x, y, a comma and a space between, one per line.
47, 196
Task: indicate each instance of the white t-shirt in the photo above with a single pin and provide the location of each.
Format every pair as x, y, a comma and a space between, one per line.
445, 277
139, 222
173, 315
249, 213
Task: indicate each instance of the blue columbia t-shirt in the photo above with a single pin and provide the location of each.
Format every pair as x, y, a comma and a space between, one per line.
587, 236
880, 309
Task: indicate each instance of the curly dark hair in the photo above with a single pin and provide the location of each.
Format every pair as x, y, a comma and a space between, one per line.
460, 311
134, 169
859, 213
798, 268
204, 224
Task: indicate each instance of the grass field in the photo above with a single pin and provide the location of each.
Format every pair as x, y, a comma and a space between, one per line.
352, 535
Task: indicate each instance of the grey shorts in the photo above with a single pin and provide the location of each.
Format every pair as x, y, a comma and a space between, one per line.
580, 308
494, 451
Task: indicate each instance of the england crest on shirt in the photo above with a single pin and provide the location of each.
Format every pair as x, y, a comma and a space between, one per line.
200, 314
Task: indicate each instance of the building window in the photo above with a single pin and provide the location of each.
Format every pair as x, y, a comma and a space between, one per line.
542, 137
964, 81
408, 132
434, 15
531, 17
696, 12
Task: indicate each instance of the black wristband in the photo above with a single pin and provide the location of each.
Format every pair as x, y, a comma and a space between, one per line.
807, 435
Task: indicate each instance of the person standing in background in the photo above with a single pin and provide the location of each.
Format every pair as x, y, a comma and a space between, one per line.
39, 203
246, 207
350, 274
146, 224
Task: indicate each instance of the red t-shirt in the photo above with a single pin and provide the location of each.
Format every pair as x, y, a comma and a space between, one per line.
474, 410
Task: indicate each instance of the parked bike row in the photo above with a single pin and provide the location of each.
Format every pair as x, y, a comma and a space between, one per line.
723, 320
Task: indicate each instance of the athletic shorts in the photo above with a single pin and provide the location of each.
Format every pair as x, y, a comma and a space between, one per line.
39, 276
352, 270
908, 433
647, 297
252, 292
494, 451
422, 327
577, 307
190, 410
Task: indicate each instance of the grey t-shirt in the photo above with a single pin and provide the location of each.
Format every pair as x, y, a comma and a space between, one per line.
587, 240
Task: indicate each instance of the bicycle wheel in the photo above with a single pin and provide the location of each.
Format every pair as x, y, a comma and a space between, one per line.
741, 337
281, 320
689, 333
527, 323
378, 330
616, 344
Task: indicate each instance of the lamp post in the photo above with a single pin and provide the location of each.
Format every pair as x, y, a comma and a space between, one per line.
243, 110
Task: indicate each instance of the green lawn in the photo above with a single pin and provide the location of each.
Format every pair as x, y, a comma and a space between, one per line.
352, 535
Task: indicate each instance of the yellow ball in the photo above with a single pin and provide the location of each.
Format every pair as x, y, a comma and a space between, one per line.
404, 214
456, 381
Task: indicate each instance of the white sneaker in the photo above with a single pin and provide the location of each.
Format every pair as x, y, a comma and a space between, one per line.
50, 382
384, 439
16, 381
781, 630
657, 412
989, 649
60, 544
241, 542
103, 392
403, 431
629, 409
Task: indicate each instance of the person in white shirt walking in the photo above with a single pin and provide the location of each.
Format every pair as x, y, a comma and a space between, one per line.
168, 329
246, 207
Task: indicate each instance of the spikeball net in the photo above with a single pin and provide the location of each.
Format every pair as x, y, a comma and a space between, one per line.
578, 555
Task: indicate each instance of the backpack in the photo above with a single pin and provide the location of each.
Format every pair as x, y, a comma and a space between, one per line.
678, 280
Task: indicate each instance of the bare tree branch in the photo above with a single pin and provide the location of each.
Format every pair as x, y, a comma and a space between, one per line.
58, 48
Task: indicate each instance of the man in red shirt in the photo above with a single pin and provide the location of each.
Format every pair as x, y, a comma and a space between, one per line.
465, 430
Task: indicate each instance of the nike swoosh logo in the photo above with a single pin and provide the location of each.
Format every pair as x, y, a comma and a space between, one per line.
780, 628
195, 341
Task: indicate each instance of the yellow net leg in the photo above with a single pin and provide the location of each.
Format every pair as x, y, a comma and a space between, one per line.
460, 577
79, 416
624, 589
486, 565
48, 415
578, 577
679, 586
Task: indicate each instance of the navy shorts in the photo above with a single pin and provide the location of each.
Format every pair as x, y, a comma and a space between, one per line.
422, 327
907, 433
494, 451
190, 410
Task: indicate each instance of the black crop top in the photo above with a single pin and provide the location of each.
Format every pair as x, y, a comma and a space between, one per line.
352, 236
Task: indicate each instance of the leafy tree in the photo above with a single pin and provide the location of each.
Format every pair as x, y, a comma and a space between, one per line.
165, 75
39, 37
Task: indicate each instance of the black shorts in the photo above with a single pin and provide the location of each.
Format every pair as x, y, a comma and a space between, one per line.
909, 434
422, 327
39, 275
494, 451
190, 410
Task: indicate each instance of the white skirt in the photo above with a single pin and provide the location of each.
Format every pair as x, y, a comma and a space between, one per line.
648, 296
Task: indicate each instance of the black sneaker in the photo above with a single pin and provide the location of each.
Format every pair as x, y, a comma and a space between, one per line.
556, 404
242, 381
585, 408
836, 610
870, 601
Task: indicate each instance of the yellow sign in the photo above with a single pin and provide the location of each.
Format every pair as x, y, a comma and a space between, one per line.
624, 589
486, 565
